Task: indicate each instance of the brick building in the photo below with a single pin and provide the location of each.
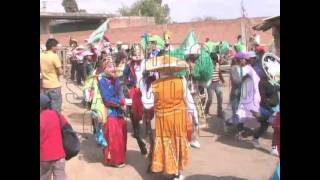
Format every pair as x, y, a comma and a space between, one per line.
130, 30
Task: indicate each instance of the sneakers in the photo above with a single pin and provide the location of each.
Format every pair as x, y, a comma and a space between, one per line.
195, 144
178, 177
274, 151
255, 143
120, 165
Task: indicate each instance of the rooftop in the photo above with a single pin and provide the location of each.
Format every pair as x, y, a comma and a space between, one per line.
268, 23
74, 16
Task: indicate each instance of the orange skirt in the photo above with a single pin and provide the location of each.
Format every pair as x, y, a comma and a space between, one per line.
170, 153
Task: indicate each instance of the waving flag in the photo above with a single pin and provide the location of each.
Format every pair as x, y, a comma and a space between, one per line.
190, 41
98, 34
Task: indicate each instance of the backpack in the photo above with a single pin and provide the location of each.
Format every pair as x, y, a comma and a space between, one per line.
70, 141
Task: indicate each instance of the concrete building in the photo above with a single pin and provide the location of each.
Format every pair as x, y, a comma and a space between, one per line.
51, 23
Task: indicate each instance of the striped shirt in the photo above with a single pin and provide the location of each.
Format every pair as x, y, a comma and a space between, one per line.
215, 75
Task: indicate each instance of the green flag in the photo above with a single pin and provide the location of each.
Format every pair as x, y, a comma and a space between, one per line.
189, 42
98, 34
224, 47
210, 47
145, 41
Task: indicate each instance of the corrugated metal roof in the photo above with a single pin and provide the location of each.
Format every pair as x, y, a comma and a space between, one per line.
267, 23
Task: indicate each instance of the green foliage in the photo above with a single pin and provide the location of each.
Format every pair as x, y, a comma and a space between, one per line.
150, 8
203, 68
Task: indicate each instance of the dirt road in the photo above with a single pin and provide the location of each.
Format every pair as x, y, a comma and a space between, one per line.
220, 156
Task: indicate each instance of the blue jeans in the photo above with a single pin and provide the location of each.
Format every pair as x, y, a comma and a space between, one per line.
55, 96
217, 88
235, 98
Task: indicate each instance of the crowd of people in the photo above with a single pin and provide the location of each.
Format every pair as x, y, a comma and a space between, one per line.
147, 85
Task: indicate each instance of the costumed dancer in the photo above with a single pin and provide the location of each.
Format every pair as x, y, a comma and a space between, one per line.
202, 73
98, 111
250, 96
115, 127
170, 152
73, 44
147, 98
236, 79
132, 76
192, 55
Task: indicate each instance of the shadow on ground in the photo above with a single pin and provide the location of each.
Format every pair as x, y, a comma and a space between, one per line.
90, 151
216, 127
82, 118
209, 177
140, 164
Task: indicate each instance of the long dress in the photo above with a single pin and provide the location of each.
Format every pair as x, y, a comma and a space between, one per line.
250, 95
116, 126
170, 152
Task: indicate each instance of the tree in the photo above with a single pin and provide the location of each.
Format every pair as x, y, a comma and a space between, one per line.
150, 8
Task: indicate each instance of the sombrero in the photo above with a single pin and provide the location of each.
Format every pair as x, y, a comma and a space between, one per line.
166, 64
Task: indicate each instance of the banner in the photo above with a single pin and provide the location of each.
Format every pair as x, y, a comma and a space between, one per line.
98, 34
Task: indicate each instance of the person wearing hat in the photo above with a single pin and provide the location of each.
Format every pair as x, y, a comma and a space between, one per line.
254, 61
89, 63
269, 103
75, 52
51, 69
250, 98
94, 51
173, 107
132, 76
236, 74
115, 126
52, 154
83, 66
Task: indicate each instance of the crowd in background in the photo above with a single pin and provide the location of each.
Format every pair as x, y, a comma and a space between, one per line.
117, 84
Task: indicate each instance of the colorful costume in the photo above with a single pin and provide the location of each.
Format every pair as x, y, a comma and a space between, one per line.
131, 78
132, 75
116, 126
170, 153
250, 96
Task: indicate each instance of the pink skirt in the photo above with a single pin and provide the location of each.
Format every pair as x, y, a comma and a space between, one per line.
116, 136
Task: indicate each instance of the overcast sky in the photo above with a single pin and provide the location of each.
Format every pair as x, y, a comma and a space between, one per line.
182, 10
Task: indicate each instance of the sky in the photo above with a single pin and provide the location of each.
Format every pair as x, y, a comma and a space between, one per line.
182, 10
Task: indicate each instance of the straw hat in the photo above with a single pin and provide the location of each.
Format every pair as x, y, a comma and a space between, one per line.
166, 64
87, 53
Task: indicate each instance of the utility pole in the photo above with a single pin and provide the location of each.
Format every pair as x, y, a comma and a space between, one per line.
244, 32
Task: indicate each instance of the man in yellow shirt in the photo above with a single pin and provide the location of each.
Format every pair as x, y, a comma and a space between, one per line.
51, 69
